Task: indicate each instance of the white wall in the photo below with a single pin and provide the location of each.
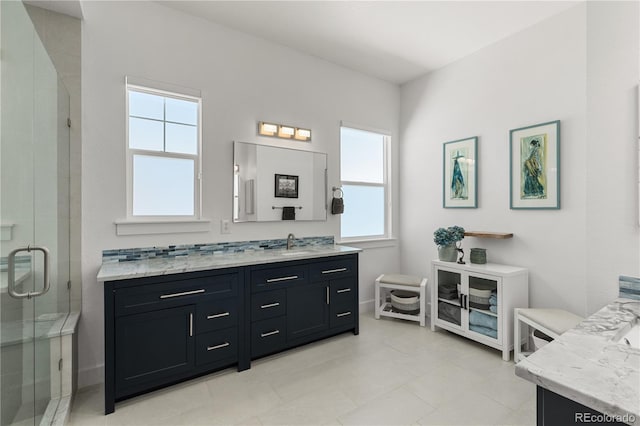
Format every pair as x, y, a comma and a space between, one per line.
554, 70
243, 80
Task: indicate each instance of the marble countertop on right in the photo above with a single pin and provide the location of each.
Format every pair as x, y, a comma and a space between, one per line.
587, 364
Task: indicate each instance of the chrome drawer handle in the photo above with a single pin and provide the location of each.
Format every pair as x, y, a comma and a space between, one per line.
275, 280
220, 346
271, 333
224, 314
344, 290
270, 305
184, 293
331, 271
344, 314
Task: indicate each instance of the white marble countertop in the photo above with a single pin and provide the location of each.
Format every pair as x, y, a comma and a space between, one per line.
163, 266
587, 365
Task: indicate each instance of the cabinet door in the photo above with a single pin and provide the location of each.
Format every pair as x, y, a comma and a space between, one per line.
482, 303
154, 347
307, 310
448, 289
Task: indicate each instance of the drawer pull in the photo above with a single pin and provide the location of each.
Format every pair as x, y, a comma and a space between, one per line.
270, 333
344, 314
270, 305
333, 271
220, 346
344, 290
184, 293
223, 314
275, 280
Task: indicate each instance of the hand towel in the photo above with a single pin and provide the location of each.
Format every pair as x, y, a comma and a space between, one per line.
483, 320
337, 206
288, 213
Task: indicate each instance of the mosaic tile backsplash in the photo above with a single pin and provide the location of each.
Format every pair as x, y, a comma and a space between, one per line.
132, 254
629, 287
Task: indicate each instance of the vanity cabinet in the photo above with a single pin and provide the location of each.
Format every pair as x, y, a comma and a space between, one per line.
302, 301
477, 301
164, 329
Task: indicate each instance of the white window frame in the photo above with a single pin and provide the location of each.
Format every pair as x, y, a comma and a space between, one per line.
386, 184
130, 152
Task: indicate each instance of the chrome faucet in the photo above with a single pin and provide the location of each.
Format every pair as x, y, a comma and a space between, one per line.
290, 239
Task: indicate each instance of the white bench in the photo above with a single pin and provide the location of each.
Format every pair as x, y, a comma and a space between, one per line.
552, 322
387, 282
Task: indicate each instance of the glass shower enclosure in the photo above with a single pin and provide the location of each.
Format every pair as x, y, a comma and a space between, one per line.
34, 222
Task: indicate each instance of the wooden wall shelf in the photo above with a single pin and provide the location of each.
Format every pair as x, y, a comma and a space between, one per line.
496, 235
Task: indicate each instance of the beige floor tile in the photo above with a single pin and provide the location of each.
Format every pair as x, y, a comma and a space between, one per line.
394, 372
398, 407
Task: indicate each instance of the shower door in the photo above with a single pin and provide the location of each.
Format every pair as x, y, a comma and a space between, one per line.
34, 220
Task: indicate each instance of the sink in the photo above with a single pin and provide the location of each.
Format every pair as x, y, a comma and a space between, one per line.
294, 253
630, 335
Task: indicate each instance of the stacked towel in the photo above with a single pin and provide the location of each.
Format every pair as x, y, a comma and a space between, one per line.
448, 312
484, 324
448, 291
493, 302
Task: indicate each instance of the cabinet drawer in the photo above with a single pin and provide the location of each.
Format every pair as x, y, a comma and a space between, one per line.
216, 315
343, 291
217, 345
268, 336
341, 314
338, 268
273, 278
268, 304
174, 293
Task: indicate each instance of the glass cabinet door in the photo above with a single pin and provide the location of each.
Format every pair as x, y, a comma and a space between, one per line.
483, 306
449, 299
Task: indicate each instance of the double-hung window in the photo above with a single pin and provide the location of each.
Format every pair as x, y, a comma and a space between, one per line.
163, 154
364, 175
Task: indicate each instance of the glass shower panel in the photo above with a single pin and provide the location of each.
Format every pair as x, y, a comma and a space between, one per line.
34, 215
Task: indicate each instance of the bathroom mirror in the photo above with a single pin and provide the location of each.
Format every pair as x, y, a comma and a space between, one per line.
271, 183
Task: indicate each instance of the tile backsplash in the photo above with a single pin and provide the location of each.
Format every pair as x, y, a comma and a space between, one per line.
629, 287
132, 254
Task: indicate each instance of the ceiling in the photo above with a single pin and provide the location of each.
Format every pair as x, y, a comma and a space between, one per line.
395, 41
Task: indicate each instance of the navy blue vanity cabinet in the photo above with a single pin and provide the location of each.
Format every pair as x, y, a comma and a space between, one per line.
165, 329
297, 302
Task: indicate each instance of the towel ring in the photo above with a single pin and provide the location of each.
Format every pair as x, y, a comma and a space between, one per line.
339, 189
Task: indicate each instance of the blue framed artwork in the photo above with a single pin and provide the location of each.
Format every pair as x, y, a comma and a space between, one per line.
460, 174
535, 166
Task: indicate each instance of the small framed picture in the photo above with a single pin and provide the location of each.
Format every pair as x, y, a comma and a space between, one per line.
286, 186
535, 166
460, 174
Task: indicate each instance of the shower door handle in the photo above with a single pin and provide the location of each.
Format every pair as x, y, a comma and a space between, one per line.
11, 273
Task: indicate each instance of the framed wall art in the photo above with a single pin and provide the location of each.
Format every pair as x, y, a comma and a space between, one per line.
535, 166
460, 174
286, 186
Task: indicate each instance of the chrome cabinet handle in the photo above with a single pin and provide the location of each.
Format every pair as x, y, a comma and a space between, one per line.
190, 325
327, 294
333, 271
11, 273
343, 290
223, 314
270, 305
183, 293
270, 333
275, 280
344, 314
220, 346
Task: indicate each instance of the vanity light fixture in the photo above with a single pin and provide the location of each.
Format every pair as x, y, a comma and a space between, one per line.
303, 134
283, 131
267, 129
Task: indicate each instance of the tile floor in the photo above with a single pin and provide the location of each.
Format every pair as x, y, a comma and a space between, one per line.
393, 373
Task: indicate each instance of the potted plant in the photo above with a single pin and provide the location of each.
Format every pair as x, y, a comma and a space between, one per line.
447, 242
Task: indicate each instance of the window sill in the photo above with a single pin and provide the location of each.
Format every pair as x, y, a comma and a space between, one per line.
134, 227
369, 243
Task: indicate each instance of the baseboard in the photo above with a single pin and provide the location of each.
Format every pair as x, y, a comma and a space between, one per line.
90, 376
366, 306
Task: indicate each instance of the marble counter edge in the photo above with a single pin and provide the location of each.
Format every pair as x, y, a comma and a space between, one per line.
157, 267
587, 366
